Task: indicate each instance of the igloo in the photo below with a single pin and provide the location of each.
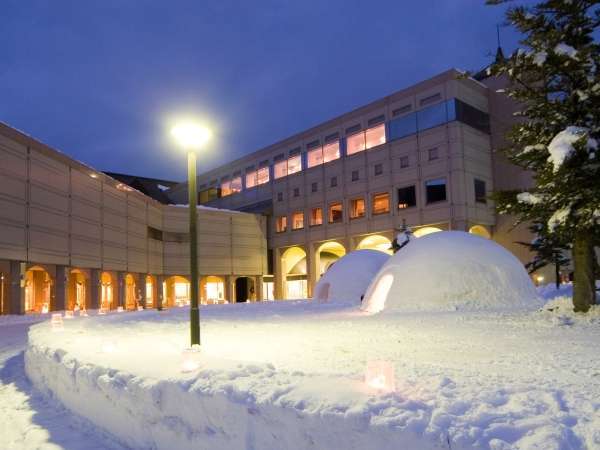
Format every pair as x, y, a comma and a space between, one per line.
451, 270
348, 278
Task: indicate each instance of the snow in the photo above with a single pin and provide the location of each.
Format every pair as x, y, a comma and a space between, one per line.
290, 375
561, 147
162, 187
529, 198
540, 58
565, 50
559, 217
348, 278
450, 270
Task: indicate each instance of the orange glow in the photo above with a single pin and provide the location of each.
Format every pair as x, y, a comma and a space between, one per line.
381, 203
357, 208
375, 136
297, 220
316, 216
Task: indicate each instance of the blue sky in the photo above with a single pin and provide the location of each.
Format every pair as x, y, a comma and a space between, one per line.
101, 81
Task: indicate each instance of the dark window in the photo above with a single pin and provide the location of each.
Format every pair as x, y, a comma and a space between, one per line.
355, 175
404, 162
480, 191
312, 144
280, 196
435, 190
314, 187
432, 154
296, 192
333, 181
378, 169
353, 129
376, 120
429, 100
155, 233
432, 116
403, 126
407, 197
471, 116
402, 110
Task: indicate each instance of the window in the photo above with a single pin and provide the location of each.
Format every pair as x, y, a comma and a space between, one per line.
297, 221
404, 162
331, 151
225, 188
381, 203
209, 194
155, 233
375, 136
403, 126
431, 99
296, 192
280, 196
333, 181
336, 214
250, 179
355, 143
316, 216
280, 169
469, 115
435, 190
314, 187
355, 176
357, 208
432, 116
378, 169
281, 224
432, 154
402, 110
294, 164
314, 157
236, 184
407, 197
480, 191
262, 175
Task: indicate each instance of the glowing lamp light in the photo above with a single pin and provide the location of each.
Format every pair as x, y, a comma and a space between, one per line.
57, 322
83, 313
539, 278
120, 309
380, 376
402, 205
190, 136
102, 311
69, 314
45, 308
190, 359
140, 308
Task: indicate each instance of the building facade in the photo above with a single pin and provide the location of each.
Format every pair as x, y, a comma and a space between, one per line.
424, 156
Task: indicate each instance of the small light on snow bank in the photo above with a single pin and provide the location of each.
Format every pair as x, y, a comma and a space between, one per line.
120, 309
57, 322
380, 376
69, 314
45, 308
108, 346
83, 313
140, 308
102, 311
190, 359
539, 279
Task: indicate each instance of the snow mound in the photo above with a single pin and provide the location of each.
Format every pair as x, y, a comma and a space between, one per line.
348, 279
451, 270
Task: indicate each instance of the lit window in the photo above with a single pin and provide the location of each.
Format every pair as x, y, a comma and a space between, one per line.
225, 188
355, 143
407, 197
357, 208
381, 203
480, 191
316, 216
331, 151
294, 164
297, 220
436, 190
375, 136
404, 162
262, 175
432, 154
250, 179
336, 214
281, 224
280, 169
236, 185
314, 157
355, 176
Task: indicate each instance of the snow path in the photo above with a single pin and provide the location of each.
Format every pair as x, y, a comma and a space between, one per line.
29, 420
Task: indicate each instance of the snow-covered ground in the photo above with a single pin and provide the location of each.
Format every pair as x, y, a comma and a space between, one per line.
290, 375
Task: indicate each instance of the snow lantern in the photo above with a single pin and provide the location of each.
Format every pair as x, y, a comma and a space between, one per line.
56, 322
120, 309
69, 314
451, 270
348, 278
140, 308
191, 359
380, 376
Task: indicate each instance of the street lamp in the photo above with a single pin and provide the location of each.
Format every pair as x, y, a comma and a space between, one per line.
192, 137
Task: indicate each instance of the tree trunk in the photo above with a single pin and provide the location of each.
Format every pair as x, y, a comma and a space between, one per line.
584, 286
556, 273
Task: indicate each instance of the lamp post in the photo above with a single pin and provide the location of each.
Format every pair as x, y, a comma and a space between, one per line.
192, 137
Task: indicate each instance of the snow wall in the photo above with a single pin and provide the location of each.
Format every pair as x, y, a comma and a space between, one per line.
451, 270
349, 277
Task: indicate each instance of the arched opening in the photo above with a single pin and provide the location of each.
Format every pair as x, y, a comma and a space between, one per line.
425, 231
376, 242
376, 301
328, 254
178, 291
38, 290
150, 291
244, 289
77, 291
293, 262
131, 294
212, 290
480, 230
107, 291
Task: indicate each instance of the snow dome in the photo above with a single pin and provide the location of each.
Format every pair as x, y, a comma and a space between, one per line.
347, 280
451, 270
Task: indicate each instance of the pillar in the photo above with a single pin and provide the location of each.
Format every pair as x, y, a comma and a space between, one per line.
312, 269
61, 283
230, 288
259, 294
95, 288
279, 276
17, 287
121, 289
158, 304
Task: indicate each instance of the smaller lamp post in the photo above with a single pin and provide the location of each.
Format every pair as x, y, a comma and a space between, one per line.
191, 137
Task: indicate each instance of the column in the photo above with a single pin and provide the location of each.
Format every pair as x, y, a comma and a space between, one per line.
60, 288
158, 304
95, 288
312, 269
17, 288
230, 288
121, 288
279, 277
259, 294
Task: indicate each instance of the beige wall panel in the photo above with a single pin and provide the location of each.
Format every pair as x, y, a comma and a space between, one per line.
12, 212
48, 172
85, 229
45, 219
114, 200
12, 241
85, 187
154, 217
137, 242
11, 187
114, 253
206, 239
48, 247
85, 210
114, 236
439, 214
46, 198
13, 158
115, 220
85, 253
137, 228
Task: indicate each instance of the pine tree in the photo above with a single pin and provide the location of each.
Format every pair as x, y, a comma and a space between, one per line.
555, 78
